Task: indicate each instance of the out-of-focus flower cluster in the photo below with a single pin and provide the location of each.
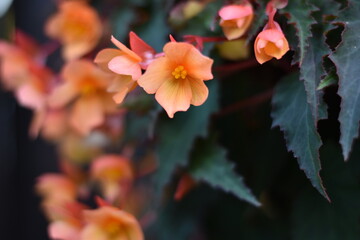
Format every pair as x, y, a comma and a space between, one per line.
77, 108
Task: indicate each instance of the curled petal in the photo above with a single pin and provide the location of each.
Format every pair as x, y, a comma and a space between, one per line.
235, 11
156, 74
125, 66
126, 50
174, 95
103, 58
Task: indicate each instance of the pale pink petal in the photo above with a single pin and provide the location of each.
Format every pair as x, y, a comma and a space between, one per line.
235, 11
87, 114
63, 231
199, 91
156, 74
174, 95
62, 95
29, 96
103, 58
125, 66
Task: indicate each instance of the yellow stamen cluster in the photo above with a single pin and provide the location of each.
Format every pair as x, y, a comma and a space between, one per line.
179, 72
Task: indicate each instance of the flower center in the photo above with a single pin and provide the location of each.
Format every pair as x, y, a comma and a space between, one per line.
179, 72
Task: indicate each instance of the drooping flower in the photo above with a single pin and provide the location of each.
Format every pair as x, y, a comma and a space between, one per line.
107, 223
271, 41
22, 71
236, 19
178, 77
77, 26
85, 85
125, 63
115, 175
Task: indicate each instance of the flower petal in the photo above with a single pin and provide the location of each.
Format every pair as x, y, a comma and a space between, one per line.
62, 95
174, 95
235, 11
126, 66
198, 65
104, 57
157, 72
199, 91
121, 85
30, 97
87, 113
126, 50
139, 46
63, 230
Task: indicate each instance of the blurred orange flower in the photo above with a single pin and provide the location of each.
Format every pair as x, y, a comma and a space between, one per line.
108, 223
86, 85
23, 72
114, 174
271, 42
67, 221
236, 19
178, 77
125, 63
77, 26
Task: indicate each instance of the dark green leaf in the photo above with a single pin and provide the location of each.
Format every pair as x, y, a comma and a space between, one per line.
209, 164
300, 15
312, 70
292, 114
314, 218
347, 58
176, 136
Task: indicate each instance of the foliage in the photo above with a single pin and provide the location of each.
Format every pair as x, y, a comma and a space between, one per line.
229, 167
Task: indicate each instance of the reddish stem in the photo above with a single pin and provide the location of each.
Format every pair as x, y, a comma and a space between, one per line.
227, 69
249, 102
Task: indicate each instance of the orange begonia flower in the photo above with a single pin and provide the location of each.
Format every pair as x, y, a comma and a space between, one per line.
56, 189
114, 174
107, 223
22, 71
86, 84
178, 77
236, 19
125, 63
271, 42
77, 26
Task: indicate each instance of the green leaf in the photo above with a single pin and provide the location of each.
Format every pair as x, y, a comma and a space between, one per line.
314, 218
347, 58
312, 70
292, 114
209, 164
176, 136
300, 15
329, 80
